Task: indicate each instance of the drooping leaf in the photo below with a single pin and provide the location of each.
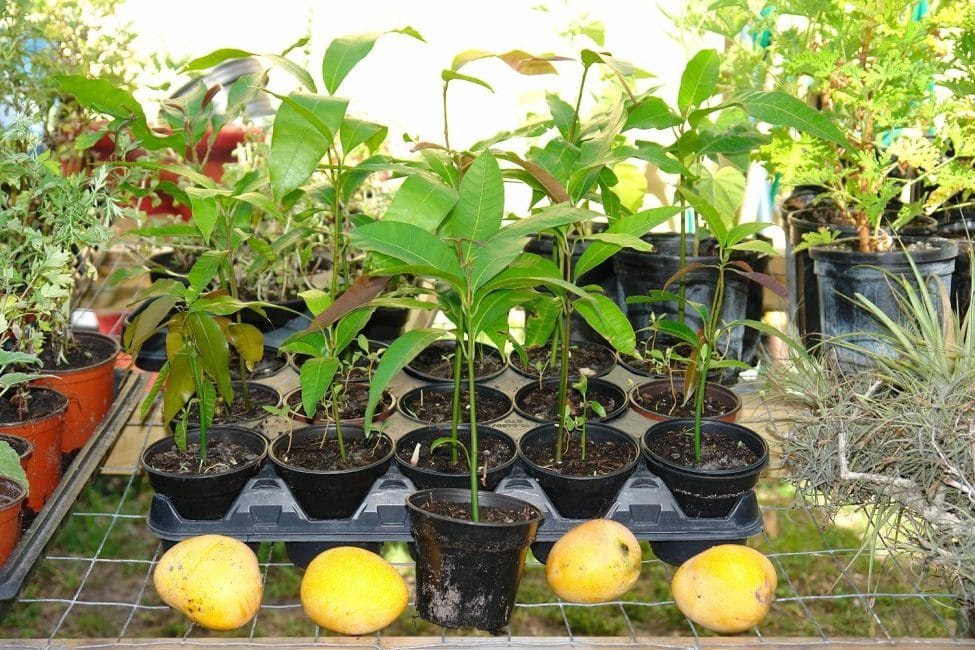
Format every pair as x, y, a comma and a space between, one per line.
147, 323
363, 290
345, 52
248, 341
214, 351
315, 377
605, 316
180, 386
699, 80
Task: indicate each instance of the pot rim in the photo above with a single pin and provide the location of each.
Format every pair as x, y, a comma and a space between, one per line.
721, 388
666, 425
59, 410
380, 415
87, 334
319, 429
408, 369
447, 387
169, 440
462, 428
574, 342
19, 497
462, 495
593, 381
613, 431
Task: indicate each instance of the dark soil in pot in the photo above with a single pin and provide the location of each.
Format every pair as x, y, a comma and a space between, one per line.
664, 398
312, 455
496, 455
434, 404
602, 456
85, 351
592, 359
717, 451
354, 398
260, 395
540, 401
222, 455
40, 403
271, 363
436, 362
357, 365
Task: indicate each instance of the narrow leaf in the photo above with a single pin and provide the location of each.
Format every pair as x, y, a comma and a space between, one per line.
214, 351
315, 377
699, 80
399, 353
782, 109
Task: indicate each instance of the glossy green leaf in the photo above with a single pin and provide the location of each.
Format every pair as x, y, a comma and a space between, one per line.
345, 52
563, 113
605, 316
450, 75
147, 323
658, 155
652, 113
755, 245
354, 132
204, 213
782, 109
409, 244
304, 127
204, 269
480, 206
724, 188
422, 201
542, 317
349, 327
494, 255
442, 165
216, 57
550, 217
679, 331
635, 225
214, 351
699, 80
315, 377
400, 352
316, 300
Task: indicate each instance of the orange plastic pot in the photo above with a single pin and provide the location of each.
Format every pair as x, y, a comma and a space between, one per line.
12, 495
44, 431
90, 391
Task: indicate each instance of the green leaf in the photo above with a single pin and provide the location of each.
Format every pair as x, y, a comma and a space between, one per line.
699, 80
214, 351
605, 316
354, 132
494, 255
10, 466
782, 109
304, 127
635, 225
450, 75
349, 326
755, 245
619, 66
409, 244
480, 207
656, 154
345, 52
652, 113
316, 300
421, 201
562, 113
440, 164
550, 217
399, 353
147, 323
315, 377
204, 213
203, 271
724, 189
679, 331
491, 308
180, 385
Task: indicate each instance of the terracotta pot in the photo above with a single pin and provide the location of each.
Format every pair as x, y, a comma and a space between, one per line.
23, 447
715, 393
90, 391
44, 431
12, 495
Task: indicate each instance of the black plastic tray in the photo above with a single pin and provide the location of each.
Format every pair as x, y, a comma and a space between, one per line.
266, 511
22, 561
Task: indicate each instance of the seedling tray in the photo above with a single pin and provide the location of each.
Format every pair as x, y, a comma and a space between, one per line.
266, 511
22, 561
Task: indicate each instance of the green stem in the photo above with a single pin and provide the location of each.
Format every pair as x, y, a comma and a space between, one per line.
338, 219
565, 263
446, 131
575, 115
339, 438
473, 448
235, 293
455, 419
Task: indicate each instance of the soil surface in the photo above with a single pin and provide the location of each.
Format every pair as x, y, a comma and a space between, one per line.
590, 359
542, 401
270, 364
356, 365
491, 453
39, 403
437, 360
354, 398
488, 514
324, 455
221, 457
437, 406
260, 396
672, 404
717, 451
602, 456
79, 353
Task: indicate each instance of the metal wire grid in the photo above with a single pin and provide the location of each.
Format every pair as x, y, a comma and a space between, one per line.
119, 517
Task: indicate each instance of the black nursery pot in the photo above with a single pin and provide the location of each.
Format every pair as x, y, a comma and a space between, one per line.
599, 390
206, 496
579, 497
706, 492
467, 573
329, 494
411, 399
426, 477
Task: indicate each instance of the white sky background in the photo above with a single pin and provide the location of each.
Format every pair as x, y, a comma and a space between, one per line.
399, 84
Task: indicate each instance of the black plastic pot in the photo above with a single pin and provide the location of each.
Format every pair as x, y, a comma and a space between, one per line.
386, 324
611, 359
467, 574
277, 313
639, 273
411, 398
206, 496
842, 273
424, 477
962, 233
599, 390
578, 497
261, 394
701, 492
329, 494
270, 365
439, 349
800, 276
714, 392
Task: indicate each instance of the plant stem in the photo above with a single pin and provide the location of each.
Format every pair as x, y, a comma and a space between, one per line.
575, 114
455, 416
446, 131
473, 448
565, 266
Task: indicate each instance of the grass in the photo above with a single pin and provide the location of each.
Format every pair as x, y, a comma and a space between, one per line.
822, 579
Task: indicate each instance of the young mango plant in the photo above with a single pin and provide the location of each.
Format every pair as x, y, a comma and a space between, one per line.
199, 336
325, 350
481, 268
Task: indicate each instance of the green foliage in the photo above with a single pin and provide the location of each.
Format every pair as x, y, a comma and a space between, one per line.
10, 464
